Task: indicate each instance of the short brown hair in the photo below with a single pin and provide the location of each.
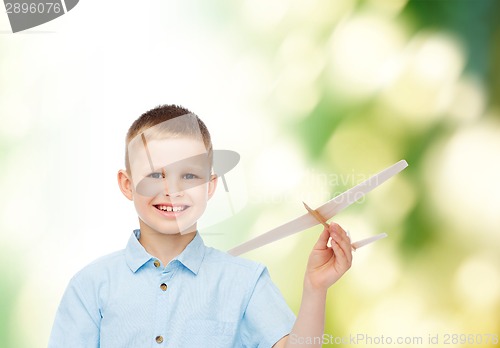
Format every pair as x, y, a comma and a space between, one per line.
163, 113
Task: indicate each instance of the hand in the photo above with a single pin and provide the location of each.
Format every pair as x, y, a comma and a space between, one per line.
327, 264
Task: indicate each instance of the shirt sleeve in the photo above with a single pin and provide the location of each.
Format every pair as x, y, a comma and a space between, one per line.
77, 319
267, 317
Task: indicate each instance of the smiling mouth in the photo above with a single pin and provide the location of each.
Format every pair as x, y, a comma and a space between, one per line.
171, 208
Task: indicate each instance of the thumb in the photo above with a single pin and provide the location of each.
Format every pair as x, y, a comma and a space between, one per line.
322, 242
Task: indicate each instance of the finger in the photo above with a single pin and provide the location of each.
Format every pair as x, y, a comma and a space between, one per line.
343, 257
347, 247
322, 242
340, 257
341, 232
343, 240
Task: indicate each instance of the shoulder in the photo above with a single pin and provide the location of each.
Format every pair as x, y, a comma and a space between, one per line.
101, 268
233, 266
216, 256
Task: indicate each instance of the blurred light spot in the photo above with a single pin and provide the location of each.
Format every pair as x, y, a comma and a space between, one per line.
463, 180
469, 99
278, 170
477, 283
392, 201
438, 59
300, 60
360, 48
422, 80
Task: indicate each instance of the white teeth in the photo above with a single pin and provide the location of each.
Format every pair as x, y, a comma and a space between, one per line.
170, 208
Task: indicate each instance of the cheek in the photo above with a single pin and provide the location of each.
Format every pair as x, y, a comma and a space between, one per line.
199, 192
140, 203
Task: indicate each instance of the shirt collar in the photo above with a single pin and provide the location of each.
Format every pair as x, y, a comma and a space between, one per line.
191, 257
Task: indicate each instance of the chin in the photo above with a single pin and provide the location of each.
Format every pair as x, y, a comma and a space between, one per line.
183, 225
183, 229
162, 231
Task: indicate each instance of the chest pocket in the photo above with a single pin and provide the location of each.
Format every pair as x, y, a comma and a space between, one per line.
209, 333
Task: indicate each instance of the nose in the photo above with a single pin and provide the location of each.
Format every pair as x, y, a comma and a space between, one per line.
171, 186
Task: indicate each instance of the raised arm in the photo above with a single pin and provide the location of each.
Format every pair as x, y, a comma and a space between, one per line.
325, 266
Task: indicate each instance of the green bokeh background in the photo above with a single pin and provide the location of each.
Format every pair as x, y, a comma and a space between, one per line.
315, 96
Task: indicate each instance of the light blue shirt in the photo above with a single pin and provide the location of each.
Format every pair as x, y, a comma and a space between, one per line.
202, 298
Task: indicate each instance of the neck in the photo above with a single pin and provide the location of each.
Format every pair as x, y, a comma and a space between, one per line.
164, 246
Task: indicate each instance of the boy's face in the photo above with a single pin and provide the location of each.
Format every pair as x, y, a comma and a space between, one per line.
171, 183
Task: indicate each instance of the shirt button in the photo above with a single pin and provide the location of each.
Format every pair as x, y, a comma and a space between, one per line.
159, 339
163, 286
156, 263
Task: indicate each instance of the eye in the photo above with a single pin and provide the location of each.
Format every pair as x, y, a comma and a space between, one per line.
189, 176
155, 175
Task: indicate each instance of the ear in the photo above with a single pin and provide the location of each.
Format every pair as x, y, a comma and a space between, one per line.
212, 185
125, 184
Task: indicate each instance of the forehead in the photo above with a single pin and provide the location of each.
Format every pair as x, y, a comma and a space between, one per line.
163, 152
168, 142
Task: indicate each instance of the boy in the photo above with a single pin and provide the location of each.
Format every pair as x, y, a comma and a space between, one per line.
167, 289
